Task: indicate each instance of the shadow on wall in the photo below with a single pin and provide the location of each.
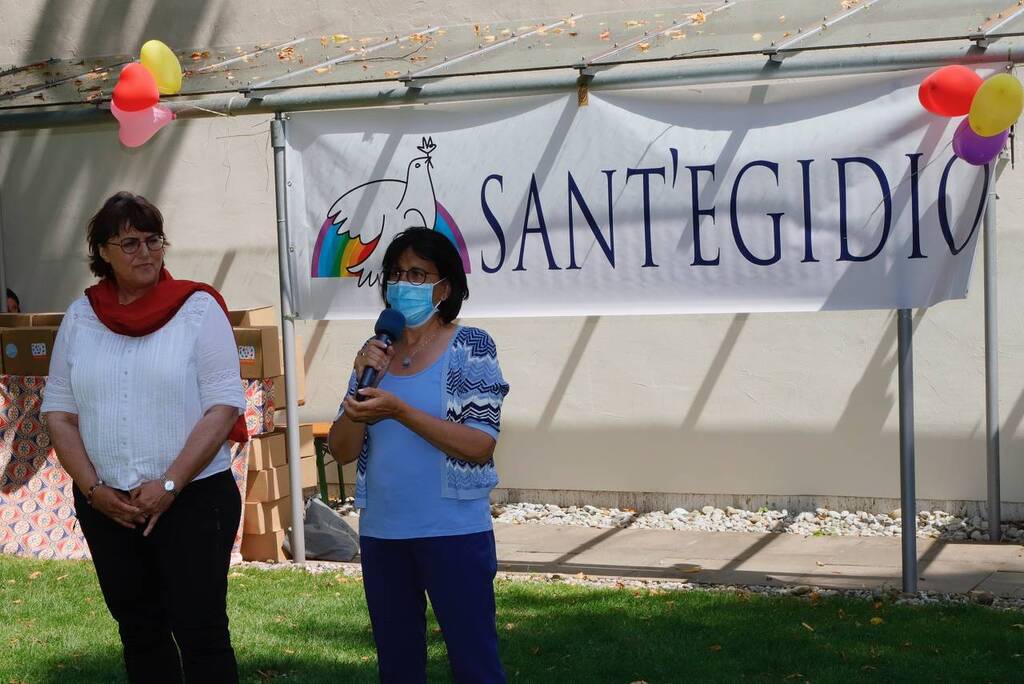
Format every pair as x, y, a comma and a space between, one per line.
52, 181
856, 463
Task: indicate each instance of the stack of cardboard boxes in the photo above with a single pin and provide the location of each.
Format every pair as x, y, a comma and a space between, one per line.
261, 352
27, 342
268, 506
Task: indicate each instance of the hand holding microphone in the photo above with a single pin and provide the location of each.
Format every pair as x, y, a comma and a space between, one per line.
375, 356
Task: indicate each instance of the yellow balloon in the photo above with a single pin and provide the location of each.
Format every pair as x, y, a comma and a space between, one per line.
997, 105
164, 66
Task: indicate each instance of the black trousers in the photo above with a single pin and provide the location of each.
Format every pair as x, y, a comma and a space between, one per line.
168, 591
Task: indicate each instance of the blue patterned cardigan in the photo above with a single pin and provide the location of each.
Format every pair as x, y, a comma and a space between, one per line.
473, 392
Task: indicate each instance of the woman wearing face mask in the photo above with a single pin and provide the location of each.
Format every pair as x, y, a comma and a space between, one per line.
424, 439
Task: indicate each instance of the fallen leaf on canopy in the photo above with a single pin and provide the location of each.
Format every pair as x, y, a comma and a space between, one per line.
340, 38
698, 18
324, 40
676, 35
633, 23
322, 70
605, 35
392, 74
286, 54
643, 47
757, 37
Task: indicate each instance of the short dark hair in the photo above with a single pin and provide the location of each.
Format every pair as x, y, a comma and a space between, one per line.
121, 210
436, 248
11, 295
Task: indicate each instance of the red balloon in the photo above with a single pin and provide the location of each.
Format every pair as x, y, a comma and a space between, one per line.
136, 89
949, 91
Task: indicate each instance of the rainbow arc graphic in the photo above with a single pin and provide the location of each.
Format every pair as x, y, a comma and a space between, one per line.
334, 254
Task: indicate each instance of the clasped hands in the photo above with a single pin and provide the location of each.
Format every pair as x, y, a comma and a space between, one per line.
143, 506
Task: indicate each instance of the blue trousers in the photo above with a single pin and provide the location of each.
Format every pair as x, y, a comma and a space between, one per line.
457, 573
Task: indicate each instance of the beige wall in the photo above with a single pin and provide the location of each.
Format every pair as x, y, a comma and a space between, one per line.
760, 404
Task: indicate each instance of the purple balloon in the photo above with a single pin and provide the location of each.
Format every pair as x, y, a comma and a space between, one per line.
976, 149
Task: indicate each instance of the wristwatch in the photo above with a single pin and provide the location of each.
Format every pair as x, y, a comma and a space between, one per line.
170, 488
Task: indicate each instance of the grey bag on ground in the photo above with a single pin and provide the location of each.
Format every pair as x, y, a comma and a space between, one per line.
328, 536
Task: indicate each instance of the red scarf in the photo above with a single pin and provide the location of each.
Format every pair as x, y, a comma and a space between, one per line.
151, 312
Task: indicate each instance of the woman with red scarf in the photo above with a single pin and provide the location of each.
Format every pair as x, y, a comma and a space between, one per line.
143, 393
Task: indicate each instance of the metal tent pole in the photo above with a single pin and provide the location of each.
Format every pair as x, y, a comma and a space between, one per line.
908, 498
298, 541
992, 369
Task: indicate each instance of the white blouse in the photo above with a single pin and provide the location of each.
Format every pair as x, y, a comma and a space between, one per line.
138, 398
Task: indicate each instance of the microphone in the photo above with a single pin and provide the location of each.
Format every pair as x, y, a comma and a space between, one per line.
389, 328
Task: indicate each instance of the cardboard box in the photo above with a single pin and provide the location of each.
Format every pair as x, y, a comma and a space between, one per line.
270, 516
267, 451
267, 485
308, 468
27, 351
264, 547
271, 450
15, 320
252, 318
47, 320
259, 353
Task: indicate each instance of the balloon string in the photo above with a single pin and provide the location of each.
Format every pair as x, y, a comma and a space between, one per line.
185, 105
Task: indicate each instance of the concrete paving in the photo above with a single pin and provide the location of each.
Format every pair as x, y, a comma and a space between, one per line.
767, 559
761, 559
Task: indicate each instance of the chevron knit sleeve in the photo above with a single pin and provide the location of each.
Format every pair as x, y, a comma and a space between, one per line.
476, 387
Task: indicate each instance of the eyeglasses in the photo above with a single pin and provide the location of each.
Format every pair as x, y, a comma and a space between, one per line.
154, 243
414, 276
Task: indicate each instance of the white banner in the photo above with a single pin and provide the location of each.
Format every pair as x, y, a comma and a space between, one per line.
802, 196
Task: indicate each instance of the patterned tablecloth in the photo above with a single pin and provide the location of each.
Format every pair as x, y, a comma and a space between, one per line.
37, 509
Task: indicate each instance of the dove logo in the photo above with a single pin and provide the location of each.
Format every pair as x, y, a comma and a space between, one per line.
362, 222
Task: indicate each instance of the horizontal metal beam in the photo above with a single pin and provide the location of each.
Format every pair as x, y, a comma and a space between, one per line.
669, 73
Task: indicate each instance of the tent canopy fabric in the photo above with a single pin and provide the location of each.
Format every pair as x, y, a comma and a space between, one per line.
776, 29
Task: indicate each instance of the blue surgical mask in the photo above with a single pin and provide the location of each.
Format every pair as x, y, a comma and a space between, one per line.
415, 302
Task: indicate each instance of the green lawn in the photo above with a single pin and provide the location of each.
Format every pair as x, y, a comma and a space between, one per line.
293, 627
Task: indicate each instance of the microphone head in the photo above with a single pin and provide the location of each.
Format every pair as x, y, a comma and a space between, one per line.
391, 323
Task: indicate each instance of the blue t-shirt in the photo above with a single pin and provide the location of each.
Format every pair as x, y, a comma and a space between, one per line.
404, 471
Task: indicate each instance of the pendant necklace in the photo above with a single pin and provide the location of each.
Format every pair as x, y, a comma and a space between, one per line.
407, 360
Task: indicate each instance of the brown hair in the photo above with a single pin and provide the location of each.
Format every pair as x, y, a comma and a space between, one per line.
121, 211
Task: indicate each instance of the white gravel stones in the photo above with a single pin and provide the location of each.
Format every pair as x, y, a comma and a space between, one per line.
819, 522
